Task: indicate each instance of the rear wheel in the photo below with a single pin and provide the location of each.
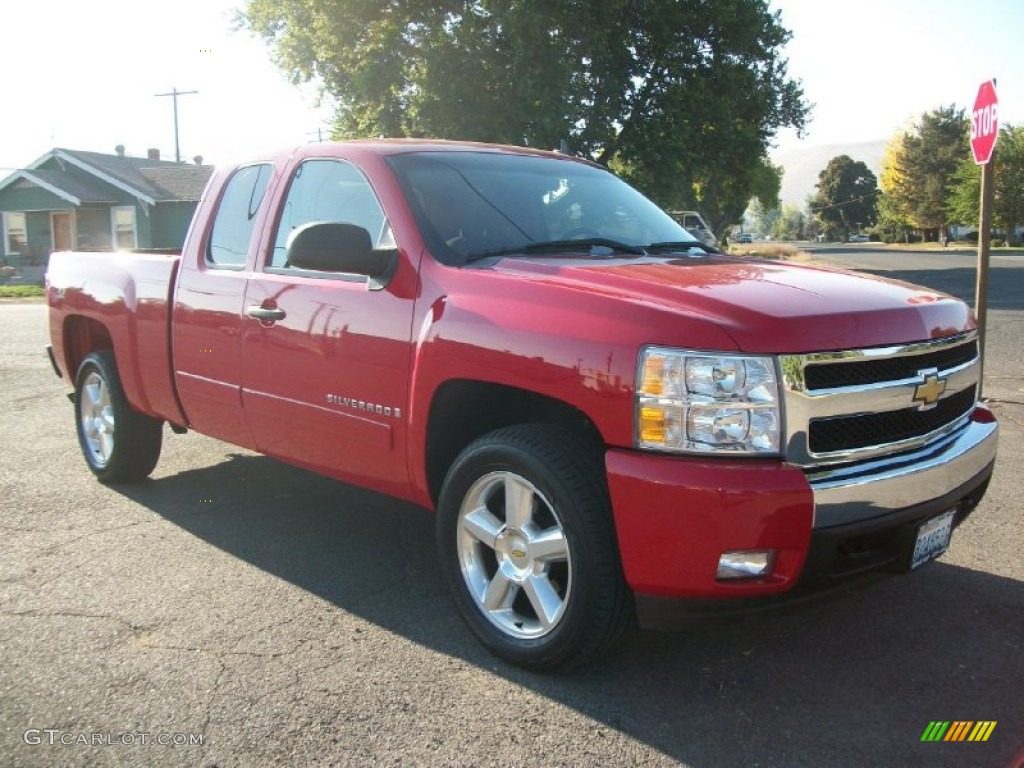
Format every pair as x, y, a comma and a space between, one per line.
119, 443
527, 541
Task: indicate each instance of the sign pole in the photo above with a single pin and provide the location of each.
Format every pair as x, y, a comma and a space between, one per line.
984, 243
984, 134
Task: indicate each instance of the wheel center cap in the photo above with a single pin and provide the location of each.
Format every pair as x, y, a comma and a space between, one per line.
516, 555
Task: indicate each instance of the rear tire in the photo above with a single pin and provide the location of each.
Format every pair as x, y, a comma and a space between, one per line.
119, 443
527, 542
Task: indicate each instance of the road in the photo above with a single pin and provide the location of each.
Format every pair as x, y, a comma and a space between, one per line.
285, 619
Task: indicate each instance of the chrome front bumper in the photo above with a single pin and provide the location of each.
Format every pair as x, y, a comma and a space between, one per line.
869, 489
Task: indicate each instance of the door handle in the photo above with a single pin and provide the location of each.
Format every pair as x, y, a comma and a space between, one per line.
265, 313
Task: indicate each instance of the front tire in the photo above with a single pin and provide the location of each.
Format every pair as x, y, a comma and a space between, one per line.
119, 443
527, 542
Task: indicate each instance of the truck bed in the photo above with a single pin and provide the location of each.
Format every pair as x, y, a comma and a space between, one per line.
126, 297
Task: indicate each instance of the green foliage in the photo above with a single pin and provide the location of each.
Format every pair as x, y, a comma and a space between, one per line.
964, 201
1009, 180
920, 167
791, 224
21, 291
846, 196
681, 97
760, 218
964, 197
722, 196
893, 226
786, 223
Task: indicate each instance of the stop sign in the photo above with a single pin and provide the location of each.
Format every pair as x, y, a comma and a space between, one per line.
984, 123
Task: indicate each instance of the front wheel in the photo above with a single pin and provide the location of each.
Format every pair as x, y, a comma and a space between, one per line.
527, 541
119, 443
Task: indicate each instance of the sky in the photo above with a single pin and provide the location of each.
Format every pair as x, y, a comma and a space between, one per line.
84, 75
871, 67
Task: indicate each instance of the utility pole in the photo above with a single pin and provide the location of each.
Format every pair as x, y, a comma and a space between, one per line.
175, 93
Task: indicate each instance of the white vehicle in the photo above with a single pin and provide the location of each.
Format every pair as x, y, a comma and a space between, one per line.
694, 223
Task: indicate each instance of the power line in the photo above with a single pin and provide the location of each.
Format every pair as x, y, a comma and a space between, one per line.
861, 199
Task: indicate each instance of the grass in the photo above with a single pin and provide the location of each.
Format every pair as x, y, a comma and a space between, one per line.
774, 251
21, 291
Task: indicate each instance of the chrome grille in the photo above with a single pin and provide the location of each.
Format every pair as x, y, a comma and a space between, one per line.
855, 404
864, 430
859, 372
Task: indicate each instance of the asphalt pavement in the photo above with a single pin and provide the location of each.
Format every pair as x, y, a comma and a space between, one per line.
233, 611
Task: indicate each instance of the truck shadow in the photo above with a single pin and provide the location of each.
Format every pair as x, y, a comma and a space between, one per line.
836, 682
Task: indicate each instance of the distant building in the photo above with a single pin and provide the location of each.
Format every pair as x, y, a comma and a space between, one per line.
88, 201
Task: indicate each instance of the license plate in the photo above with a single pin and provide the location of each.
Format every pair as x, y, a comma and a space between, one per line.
932, 538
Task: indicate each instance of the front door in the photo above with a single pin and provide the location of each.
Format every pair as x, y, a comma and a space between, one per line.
325, 359
62, 225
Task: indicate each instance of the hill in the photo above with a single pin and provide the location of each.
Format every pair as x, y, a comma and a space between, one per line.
802, 164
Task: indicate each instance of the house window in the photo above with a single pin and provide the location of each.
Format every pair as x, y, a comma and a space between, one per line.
15, 234
122, 227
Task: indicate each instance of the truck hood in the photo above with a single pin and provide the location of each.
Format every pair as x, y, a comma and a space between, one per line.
764, 306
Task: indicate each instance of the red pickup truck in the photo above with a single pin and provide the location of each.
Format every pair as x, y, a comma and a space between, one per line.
609, 417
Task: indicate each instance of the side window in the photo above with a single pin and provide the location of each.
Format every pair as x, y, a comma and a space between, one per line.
330, 190
232, 229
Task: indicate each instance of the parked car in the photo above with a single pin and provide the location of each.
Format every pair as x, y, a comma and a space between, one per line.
860, 239
746, 237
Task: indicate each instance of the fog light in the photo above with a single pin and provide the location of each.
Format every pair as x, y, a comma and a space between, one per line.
745, 565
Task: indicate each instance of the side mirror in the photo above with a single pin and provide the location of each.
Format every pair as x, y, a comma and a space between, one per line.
334, 246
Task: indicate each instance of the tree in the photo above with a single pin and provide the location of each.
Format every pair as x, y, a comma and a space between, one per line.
919, 167
760, 218
791, 224
1008, 185
681, 97
893, 226
723, 193
846, 194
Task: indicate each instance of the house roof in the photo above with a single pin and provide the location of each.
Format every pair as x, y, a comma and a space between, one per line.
151, 181
180, 182
157, 180
72, 188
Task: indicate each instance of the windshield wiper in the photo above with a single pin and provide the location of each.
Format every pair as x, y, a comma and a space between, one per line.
680, 245
558, 246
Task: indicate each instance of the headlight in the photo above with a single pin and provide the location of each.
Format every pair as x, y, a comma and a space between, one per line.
699, 402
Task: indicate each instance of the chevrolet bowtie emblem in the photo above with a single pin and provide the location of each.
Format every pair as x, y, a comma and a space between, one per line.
928, 392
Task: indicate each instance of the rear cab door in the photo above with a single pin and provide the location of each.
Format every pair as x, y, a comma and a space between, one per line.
326, 355
207, 319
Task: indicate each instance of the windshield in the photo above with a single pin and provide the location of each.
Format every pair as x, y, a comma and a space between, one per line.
470, 204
